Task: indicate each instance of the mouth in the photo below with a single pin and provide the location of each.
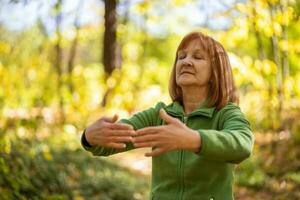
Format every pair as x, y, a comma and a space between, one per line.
185, 72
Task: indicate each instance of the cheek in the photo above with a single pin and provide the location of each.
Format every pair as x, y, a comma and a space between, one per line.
177, 67
177, 70
205, 72
207, 69
208, 72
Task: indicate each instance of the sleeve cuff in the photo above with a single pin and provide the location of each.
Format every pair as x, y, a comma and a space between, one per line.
202, 148
84, 141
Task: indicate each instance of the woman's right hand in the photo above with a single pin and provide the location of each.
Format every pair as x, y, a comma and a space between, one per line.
107, 133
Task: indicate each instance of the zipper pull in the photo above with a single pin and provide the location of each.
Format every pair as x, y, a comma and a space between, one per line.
185, 119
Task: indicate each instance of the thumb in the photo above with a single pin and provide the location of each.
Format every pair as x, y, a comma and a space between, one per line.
111, 119
167, 118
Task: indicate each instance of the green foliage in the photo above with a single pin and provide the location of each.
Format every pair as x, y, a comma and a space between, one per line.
35, 170
294, 177
39, 152
250, 174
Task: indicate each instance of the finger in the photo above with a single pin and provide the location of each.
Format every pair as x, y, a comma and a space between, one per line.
167, 118
116, 145
154, 153
148, 130
144, 138
144, 144
110, 119
106, 119
115, 118
121, 132
121, 139
119, 126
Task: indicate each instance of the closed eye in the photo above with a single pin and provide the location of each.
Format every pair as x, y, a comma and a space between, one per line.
181, 56
198, 57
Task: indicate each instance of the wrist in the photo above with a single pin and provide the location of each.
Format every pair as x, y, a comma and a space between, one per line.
88, 137
194, 142
84, 139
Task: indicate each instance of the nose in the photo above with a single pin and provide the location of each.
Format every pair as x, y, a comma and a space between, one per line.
187, 62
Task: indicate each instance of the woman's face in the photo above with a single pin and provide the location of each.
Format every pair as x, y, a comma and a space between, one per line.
193, 66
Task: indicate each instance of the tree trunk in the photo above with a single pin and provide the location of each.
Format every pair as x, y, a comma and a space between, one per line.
276, 58
262, 56
110, 37
73, 49
58, 58
111, 51
259, 45
137, 85
285, 61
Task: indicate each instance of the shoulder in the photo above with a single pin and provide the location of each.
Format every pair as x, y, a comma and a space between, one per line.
231, 108
231, 111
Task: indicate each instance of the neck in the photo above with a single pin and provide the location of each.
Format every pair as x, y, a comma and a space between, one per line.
193, 97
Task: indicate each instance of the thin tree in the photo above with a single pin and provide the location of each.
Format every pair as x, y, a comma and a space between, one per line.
73, 48
110, 57
58, 57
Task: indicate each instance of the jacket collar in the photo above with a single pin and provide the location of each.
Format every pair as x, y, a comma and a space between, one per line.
176, 109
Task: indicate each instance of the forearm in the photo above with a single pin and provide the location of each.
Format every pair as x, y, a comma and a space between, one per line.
226, 145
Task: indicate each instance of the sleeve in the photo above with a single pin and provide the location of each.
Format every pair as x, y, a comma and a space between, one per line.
233, 143
139, 120
84, 142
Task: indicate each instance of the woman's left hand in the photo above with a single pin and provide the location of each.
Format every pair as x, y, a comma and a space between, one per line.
173, 136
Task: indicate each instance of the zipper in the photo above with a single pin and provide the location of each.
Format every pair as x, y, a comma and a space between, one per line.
181, 169
185, 119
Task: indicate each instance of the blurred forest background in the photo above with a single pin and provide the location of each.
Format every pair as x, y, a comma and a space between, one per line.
65, 63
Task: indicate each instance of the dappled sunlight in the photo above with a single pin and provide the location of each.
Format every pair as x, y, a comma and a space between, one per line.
55, 83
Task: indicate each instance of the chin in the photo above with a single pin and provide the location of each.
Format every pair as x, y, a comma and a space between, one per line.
185, 82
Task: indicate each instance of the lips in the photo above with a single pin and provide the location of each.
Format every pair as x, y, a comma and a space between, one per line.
186, 72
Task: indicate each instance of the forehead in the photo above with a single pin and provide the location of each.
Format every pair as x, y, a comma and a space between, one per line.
194, 44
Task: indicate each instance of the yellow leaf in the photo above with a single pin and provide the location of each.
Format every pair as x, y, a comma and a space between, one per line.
269, 67
277, 28
46, 153
179, 2
142, 7
284, 45
4, 47
78, 197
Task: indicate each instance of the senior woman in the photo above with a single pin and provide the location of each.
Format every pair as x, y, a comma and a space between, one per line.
197, 139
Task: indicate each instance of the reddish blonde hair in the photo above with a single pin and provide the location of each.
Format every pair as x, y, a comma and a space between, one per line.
222, 88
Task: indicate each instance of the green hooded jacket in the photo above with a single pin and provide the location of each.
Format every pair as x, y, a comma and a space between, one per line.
226, 140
